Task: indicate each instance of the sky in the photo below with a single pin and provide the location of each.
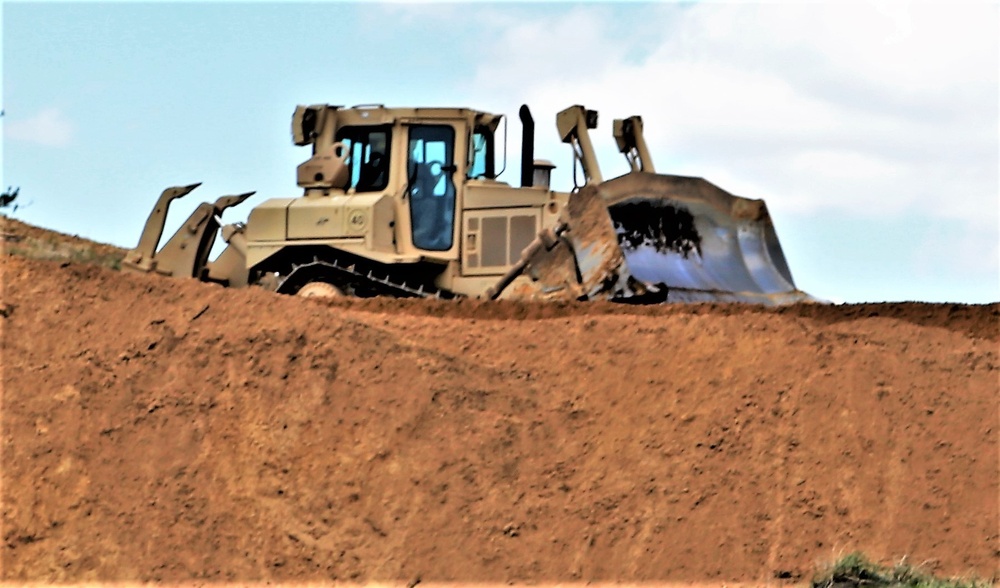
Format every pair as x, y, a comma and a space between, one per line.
869, 128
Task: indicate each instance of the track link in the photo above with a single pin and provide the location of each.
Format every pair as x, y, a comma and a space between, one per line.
355, 277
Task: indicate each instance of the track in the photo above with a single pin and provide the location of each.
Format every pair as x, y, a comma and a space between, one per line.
352, 278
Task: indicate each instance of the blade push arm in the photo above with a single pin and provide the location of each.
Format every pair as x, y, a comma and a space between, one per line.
573, 125
632, 143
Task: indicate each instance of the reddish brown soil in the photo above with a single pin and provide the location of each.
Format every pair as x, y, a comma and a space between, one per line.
167, 430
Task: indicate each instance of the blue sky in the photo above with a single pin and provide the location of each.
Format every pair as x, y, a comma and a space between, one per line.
871, 129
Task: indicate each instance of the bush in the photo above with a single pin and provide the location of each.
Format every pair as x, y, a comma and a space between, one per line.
8, 197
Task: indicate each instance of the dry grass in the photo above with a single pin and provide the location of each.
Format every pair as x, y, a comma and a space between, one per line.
24, 240
855, 570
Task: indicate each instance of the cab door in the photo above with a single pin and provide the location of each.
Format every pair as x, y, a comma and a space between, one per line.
430, 169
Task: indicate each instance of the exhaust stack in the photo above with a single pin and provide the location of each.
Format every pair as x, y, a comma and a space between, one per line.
527, 147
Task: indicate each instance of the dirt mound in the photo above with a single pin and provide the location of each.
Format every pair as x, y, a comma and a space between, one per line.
168, 430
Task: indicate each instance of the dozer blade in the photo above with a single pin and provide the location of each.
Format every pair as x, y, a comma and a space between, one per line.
701, 242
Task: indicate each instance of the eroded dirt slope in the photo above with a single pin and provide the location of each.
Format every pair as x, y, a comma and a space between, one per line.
168, 430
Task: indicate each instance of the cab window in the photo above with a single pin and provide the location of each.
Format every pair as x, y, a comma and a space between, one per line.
429, 167
368, 156
482, 154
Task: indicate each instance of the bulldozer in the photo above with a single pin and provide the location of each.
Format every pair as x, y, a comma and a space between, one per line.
407, 202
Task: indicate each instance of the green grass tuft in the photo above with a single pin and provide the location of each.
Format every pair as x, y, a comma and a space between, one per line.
855, 570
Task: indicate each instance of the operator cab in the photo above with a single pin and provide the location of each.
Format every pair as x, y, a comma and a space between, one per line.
421, 159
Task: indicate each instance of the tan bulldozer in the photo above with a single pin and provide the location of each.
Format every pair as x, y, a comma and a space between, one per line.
407, 202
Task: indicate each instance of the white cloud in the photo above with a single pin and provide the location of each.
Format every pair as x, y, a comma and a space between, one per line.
49, 128
868, 109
